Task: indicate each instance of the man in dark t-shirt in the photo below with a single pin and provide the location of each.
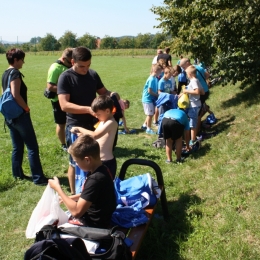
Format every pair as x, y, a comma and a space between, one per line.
166, 56
95, 205
76, 89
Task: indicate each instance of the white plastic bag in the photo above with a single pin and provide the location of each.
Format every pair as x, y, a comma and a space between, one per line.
47, 212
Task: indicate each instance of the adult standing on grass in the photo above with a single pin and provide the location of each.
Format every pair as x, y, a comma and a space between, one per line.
21, 128
166, 56
77, 88
55, 70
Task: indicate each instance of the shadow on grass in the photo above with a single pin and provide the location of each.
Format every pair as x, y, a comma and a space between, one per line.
133, 153
249, 95
65, 182
222, 124
163, 240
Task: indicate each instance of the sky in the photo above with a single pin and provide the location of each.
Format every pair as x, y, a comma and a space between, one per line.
22, 20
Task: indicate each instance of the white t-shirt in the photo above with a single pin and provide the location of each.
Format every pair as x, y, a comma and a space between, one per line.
154, 60
194, 99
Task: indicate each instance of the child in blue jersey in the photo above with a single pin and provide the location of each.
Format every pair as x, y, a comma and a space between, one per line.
149, 97
194, 90
175, 122
165, 84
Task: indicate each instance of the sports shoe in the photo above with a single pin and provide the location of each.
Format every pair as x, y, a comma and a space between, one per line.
150, 132
167, 161
64, 147
42, 182
180, 161
156, 123
121, 123
143, 127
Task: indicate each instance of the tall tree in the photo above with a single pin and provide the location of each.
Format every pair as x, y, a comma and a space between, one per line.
49, 43
108, 42
225, 32
68, 39
143, 41
87, 40
157, 39
126, 42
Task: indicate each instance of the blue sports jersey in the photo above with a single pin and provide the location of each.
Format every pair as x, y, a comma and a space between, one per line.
180, 116
152, 82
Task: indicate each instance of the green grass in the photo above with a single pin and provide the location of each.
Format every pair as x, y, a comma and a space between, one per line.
213, 198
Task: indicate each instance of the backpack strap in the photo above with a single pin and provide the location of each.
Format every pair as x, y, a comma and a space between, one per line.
202, 76
9, 78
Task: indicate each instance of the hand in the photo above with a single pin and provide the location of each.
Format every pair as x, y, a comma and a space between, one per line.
54, 183
127, 130
74, 130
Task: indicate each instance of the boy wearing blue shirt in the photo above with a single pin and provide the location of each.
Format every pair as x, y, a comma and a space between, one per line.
149, 97
165, 84
174, 123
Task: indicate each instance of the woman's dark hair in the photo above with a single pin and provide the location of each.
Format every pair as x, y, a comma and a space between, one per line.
81, 54
14, 54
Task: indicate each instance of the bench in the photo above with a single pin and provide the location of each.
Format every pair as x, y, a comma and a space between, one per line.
137, 234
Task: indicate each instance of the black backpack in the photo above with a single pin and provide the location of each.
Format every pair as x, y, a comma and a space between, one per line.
49, 245
58, 249
111, 241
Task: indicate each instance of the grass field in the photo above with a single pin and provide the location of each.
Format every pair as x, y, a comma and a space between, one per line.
213, 197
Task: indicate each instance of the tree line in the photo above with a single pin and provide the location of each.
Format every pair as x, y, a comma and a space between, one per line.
70, 39
222, 33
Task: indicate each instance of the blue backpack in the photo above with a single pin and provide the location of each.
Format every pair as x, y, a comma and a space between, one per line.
8, 106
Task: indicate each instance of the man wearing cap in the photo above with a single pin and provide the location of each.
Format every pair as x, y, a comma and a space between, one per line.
174, 123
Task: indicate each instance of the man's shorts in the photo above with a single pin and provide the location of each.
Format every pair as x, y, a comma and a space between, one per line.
149, 109
59, 115
193, 114
172, 128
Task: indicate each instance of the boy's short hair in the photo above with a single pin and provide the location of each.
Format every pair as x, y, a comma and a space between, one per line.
102, 102
157, 67
81, 54
14, 54
191, 70
162, 63
85, 146
167, 49
127, 102
176, 68
67, 53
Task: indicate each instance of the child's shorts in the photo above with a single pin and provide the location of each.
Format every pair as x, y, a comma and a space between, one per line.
149, 109
193, 113
172, 128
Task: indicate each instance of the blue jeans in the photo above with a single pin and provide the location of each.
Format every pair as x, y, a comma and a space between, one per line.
22, 133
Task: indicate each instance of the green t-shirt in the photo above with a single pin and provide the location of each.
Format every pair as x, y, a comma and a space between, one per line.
53, 75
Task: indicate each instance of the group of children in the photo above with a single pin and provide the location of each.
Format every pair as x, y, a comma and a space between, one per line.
162, 80
93, 150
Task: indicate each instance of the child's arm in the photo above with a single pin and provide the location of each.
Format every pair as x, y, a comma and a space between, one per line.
80, 130
195, 91
124, 122
150, 91
77, 209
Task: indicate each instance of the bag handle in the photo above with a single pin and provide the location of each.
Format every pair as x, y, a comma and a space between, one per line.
9, 78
